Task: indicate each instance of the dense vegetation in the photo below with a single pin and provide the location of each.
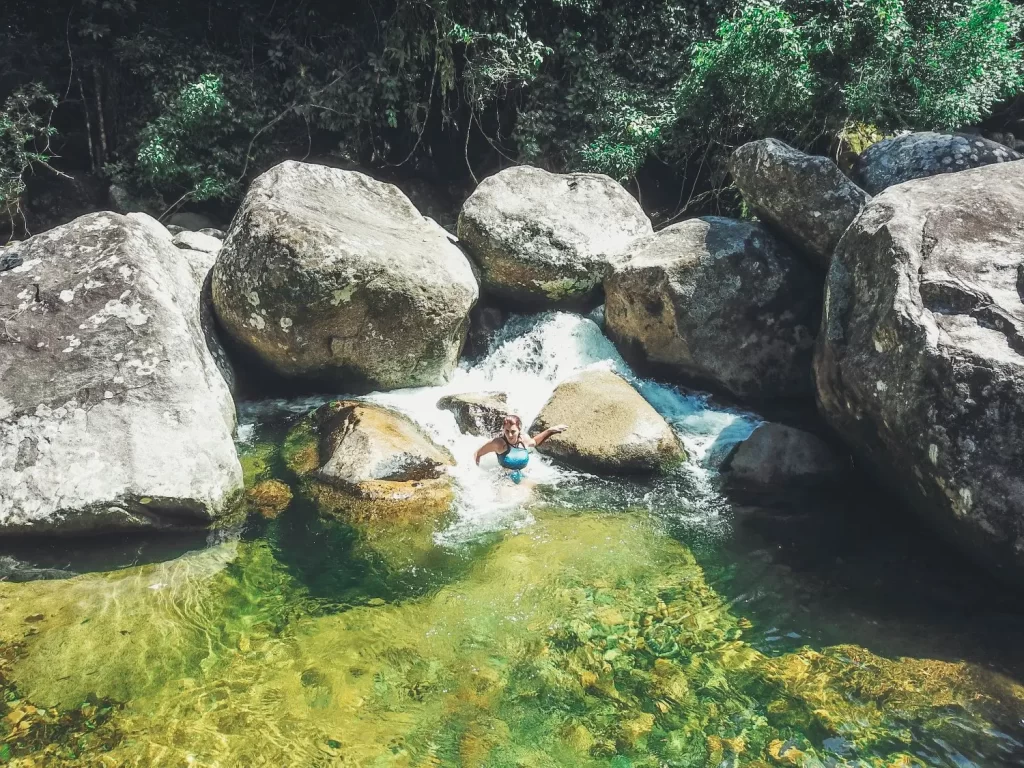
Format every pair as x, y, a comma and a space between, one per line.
183, 100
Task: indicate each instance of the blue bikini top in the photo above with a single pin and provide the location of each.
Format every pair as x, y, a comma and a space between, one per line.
514, 456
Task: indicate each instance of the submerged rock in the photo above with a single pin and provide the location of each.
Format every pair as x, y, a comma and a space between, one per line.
804, 197
329, 275
920, 361
611, 427
477, 413
113, 412
720, 302
366, 461
780, 458
269, 498
546, 239
918, 155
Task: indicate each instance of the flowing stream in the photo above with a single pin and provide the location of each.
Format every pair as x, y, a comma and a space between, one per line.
570, 621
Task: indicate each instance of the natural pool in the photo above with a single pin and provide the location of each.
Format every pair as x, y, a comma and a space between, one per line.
591, 622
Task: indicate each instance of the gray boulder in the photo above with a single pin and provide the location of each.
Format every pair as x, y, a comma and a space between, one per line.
806, 198
611, 427
780, 458
718, 302
477, 413
920, 360
330, 275
220, 234
546, 239
113, 413
196, 241
919, 155
365, 461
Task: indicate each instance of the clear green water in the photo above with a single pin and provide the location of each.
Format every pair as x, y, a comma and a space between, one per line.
575, 637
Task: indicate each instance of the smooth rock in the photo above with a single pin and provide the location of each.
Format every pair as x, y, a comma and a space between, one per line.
920, 360
331, 276
546, 239
113, 413
191, 221
220, 234
919, 155
719, 302
780, 458
477, 413
805, 198
366, 461
197, 241
611, 427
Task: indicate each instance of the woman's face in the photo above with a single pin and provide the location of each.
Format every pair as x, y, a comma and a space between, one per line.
510, 428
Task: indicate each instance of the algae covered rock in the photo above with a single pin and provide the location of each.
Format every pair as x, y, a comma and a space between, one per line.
919, 155
332, 276
804, 197
367, 461
920, 360
547, 239
114, 414
719, 302
611, 427
477, 413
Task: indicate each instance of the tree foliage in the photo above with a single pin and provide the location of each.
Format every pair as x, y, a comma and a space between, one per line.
186, 99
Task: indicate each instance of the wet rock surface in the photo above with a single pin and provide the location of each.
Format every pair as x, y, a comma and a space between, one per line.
477, 413
611, 427
330, 276
544, 239
920, 360
367, 461
919, 155
719, 302
806, 198
113, 412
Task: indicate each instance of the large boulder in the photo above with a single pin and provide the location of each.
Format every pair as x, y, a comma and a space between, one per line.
779, 458
329, 275
919, 155
611, 427
804, 197
477, 413
920, 360
546, 239
718, 302
365, 461
113, 413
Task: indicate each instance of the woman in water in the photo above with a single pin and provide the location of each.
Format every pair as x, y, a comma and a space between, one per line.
512, 446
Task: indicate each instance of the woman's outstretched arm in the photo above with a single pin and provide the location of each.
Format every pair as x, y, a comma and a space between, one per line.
491, 446
542, 436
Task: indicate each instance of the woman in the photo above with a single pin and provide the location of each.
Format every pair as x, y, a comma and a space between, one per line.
512, 445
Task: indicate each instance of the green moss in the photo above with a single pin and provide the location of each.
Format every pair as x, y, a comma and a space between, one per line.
300, 451
256, 460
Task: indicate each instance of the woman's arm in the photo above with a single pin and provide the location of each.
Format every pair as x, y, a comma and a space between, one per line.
541, 437
491, 446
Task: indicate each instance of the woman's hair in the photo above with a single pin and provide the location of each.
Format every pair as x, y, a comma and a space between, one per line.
512, 417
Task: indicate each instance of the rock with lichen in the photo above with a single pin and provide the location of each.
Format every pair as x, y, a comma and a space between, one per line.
368, 462
330, 276
805, 198
543, 239
114, 414
920, 359
477, 413
633, 438
721, 303
919, 155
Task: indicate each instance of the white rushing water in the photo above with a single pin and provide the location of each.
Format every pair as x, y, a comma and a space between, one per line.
526, 360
